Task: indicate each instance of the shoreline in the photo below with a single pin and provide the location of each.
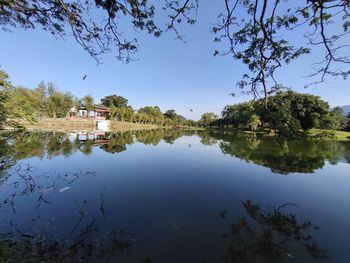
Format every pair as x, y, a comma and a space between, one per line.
78, 125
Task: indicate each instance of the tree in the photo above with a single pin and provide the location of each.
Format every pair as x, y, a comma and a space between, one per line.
339, 118
88, 102
289, 113
114, 111
208, 118
14, 104
253, 29
3, 111
40, 99
4, 85
347, 128
171, 114
18, 106
239, 114
117, 101
151, 114
176, 118
58, 103
67, 103
254, 122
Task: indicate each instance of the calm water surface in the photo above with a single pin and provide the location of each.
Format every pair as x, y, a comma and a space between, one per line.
172, 196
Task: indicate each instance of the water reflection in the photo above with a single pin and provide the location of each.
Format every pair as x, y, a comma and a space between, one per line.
22, 145
284, 157
274, 234
142, 207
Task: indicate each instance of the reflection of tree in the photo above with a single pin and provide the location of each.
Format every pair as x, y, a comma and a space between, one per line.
86, 241
87, 245
15, 146
118, 142
156, 135
86, 147
207, 139
21, 145
149, 136
281, 156
270, 236
286, 156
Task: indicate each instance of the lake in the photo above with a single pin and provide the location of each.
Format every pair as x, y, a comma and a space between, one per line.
172, 196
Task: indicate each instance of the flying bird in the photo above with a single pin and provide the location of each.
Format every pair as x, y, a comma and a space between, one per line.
191, 110
84, 77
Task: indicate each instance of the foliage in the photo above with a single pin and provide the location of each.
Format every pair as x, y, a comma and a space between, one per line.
208, 118
338, 119
174, 117
4, 85
289, 113
269, 235
283, 156
149, 114
114, 100
3, 110
59, 104
22, 103
253, 30
18, 106
125, 114
88, 102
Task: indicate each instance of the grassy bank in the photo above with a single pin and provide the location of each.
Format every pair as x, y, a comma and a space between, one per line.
313, 133
338, 135
78, 124
122, 126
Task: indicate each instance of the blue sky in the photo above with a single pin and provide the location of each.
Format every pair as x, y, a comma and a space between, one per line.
168, 73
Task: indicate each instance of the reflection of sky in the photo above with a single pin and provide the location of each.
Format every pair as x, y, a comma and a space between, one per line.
169, 195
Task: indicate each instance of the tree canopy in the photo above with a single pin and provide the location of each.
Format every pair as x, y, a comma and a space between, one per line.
117, 101
289, 113
208, 118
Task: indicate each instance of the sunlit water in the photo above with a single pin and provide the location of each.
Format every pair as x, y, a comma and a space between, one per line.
173, 196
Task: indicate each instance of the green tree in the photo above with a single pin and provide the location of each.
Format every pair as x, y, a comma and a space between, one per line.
208, 118
339, 119
3, 110
40, 99
254, 122
88, 102
289, 113
4, 86
114, 111
176, 118
58, 103
117, 101
347, 128
18, 107
151, 115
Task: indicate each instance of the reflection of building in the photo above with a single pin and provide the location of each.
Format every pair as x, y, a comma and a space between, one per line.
99, 112
97, 137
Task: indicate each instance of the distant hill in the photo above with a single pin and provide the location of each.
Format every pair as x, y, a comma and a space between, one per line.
346, 109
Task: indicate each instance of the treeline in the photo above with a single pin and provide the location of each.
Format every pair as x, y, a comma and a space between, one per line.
46, 100
288, 113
